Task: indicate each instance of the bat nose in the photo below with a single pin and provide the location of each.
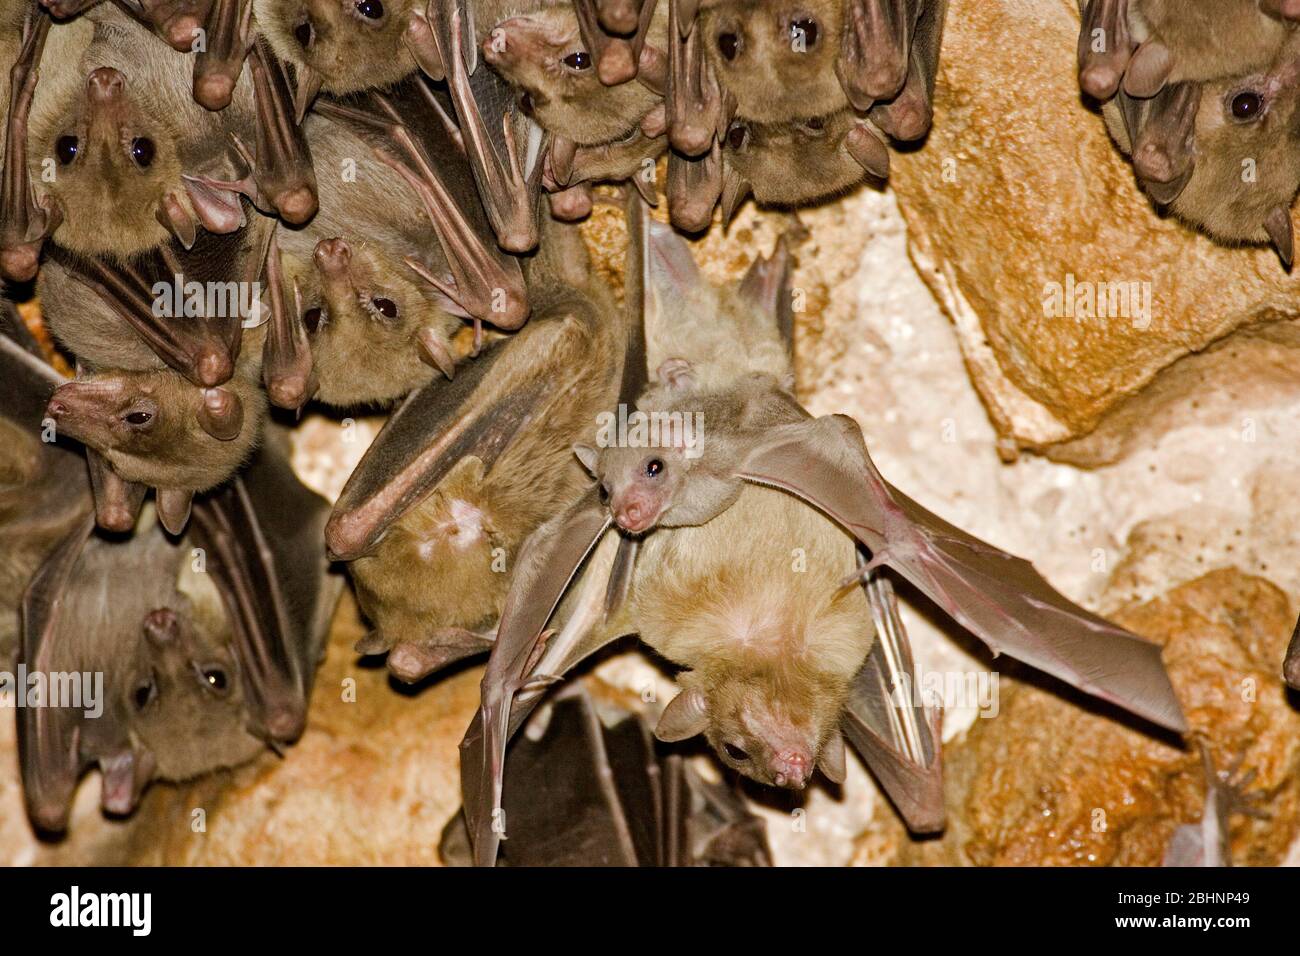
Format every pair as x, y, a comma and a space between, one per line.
56, 409
791, 769
105, 85
631, 517
162, 626
333, 256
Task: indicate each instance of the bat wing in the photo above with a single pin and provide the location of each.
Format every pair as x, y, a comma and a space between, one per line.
281, 169
1162, 134
697, 110
411, 130
509, 182
25, 221
895, 733
875, 49
547, 564
262, 537
999, 598
1105, 46
218, 65
908, 116
708, 824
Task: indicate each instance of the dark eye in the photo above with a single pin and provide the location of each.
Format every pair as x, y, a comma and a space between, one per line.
311, 319
578, 60
653, 467
737, 136
387, 307
303, 34
144, 693
807, 28
370, 9
604, 493
215, 678
815, 125
139, 418
735, 753
142, 151
65, 148
728, 45
1246, 105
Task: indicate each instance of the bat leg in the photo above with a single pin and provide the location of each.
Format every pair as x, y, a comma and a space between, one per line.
694, 106
287, 362
283, 170
509, 194
25, 222
218, 65
1105, 47
875, 49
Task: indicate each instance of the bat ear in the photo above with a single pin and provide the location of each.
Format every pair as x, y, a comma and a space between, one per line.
868, 150
1282, 234
765, 282
177, 220
671, 273
587, 455
222, 414
686, 715
173, 506
832, 759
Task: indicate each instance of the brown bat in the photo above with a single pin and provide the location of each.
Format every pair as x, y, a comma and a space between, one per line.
1209, 842
616, 801
432, 518
205, 647
128, 156
770, 696
402, 252
1219, 154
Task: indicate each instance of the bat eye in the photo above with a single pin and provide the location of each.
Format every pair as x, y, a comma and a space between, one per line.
578, 60
138, 418
604, 493
728, 46
144, 693
737, 136
65, 148
386, 307
303, 34
142, 151
803, 34
1246, 106
654, 467
214, 678
735, 753
311, 319
370, 9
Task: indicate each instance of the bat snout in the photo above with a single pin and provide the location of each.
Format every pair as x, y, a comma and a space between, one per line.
105, 86
634, 516
791, 768
333, 257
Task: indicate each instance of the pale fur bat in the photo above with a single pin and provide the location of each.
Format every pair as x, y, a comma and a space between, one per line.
617, 801
206, 645
1220, 154
432, 518
769, 708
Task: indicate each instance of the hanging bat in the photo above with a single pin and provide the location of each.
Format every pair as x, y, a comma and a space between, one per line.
616, 800
907, 116
768, 712
1209, 842
432, 518
1219, 154
1291, 665
44, 492
207, 646
875, 55
401, 253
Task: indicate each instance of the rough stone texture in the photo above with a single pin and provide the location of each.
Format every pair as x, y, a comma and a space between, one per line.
1019, 186
1050, 783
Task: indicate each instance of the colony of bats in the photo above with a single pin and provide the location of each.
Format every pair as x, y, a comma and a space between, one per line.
394, 186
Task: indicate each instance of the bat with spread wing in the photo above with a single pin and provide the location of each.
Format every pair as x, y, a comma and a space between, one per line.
824, 463
618, 801
203, 651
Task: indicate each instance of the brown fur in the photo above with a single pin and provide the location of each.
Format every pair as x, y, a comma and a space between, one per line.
1210, 39
794, 164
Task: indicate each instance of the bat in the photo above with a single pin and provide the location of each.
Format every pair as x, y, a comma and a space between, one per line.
617, 802
875, 48
44, 490
1291, 664
219, 65
765, 716
907, 117
401, 253
1193, 146
778, 61
1209, 842
207, 646
432, 518
697, 109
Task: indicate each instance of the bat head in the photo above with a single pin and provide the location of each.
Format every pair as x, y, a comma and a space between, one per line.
184, 693
770, 732
156, 428
638, 485
794, 163
542, 54
1245, 178
776, 57
117, 170
348, 45
365, 312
